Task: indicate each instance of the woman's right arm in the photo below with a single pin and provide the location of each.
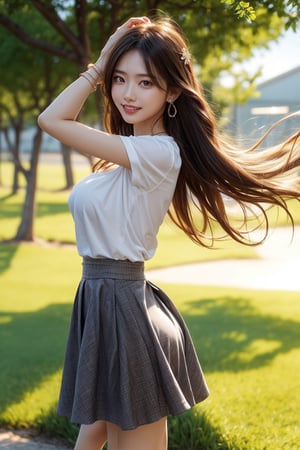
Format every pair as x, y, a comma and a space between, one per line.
59, 118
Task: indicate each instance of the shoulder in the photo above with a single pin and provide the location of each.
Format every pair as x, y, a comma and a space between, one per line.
158, 150
157, 141
153, 159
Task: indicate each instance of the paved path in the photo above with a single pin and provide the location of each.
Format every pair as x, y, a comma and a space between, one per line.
14, 441
277, 269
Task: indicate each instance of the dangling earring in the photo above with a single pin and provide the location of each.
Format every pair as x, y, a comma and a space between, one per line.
172, 110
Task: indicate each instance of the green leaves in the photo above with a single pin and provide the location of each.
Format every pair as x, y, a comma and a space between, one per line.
243, 10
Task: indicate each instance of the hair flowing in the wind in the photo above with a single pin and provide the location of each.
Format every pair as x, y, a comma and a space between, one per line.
211, 169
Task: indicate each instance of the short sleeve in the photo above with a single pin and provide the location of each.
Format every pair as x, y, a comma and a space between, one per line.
151, 159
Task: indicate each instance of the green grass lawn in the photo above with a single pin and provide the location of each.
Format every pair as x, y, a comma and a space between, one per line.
248, 341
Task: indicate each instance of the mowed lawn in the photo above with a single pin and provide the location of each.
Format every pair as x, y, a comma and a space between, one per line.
248, 341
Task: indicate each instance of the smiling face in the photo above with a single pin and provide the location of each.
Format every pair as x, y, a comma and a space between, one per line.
140, 101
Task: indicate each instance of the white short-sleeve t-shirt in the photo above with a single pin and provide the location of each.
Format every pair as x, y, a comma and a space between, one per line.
117, 213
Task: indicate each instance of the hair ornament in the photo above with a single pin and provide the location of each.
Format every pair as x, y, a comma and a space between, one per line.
185, 56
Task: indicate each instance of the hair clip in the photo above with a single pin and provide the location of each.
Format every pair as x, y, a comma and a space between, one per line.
185, 56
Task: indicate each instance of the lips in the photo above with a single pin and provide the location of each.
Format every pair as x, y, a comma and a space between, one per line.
129, 109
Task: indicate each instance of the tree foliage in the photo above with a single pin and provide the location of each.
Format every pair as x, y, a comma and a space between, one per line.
225, 31
84, 25
288, 10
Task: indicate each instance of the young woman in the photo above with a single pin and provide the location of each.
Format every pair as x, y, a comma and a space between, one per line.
130, 361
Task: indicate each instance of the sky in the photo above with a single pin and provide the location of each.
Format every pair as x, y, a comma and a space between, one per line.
282, 56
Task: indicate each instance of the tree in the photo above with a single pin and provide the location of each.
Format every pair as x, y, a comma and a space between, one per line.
23, 98
84, 25
12, 123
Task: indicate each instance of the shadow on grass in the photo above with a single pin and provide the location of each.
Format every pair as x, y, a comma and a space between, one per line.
51, 424
193, 430
51, 208
10, 211
7, 253
8, 247
238, 335
32, 347
14, 210
7, 196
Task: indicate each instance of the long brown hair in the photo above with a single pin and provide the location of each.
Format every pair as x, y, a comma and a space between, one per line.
212, 170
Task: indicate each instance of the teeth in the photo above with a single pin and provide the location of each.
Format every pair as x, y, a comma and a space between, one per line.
130, 107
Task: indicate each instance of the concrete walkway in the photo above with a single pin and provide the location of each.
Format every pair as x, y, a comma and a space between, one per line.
10, 440
277, 269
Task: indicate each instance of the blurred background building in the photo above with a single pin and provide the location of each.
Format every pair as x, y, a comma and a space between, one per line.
278, 97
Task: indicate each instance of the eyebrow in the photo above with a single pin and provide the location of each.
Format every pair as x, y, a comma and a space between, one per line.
138, 74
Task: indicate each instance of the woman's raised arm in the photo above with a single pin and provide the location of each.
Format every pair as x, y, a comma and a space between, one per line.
59, 118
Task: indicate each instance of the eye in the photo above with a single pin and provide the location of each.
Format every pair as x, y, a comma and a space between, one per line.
118, 79
146, 83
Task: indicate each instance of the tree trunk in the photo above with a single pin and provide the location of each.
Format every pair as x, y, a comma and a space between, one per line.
18, 127
66, 155
13, 146
25, 230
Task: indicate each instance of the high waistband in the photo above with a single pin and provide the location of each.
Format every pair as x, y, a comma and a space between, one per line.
112, 268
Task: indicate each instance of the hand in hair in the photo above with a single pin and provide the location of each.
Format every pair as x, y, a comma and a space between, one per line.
130, 23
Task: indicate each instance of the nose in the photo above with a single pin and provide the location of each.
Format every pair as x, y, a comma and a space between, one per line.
129, 94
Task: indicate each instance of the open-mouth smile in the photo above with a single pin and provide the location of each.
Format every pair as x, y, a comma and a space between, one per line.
129, 109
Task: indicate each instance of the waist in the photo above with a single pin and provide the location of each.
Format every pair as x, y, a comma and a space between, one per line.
112, 268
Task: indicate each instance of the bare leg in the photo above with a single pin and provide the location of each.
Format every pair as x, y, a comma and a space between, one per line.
92, 437
147, 437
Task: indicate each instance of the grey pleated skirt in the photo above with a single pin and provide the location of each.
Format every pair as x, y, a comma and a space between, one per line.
129, 358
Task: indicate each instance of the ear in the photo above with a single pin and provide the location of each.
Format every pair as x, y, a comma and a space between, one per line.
173, 95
